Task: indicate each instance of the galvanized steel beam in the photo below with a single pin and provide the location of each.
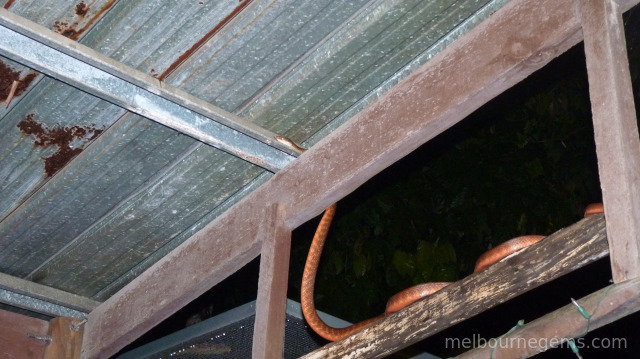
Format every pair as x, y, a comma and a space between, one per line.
54, 55
42, 299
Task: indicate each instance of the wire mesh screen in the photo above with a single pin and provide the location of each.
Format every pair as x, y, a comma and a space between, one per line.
235, 341
229, 335
231, 341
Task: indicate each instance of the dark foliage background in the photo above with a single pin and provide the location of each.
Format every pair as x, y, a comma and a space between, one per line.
524, 164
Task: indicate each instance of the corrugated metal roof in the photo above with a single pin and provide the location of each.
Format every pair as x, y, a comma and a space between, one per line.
91, 194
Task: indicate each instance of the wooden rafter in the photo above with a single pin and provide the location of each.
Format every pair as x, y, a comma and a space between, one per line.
66, 338
22, 336
271, 305
516, 41
603, 307
616, 132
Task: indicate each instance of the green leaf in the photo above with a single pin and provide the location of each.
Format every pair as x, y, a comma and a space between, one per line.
338, 262
404, 263
360, 265
425, 261
426, 252
522, 222
445, 253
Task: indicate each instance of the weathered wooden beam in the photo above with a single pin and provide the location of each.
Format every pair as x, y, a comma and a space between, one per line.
604, 306
616, 132
271, 305
66, 338
22, 337
627, 4
517, 40
558, 254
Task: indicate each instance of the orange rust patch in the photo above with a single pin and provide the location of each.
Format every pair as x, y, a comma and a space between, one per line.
62, 137
66, 30
8, 76
81, 10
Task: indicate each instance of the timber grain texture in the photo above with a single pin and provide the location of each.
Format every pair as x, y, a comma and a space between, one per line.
604, 306
16, 336
271, 305
66, 338
616, 132
558, 254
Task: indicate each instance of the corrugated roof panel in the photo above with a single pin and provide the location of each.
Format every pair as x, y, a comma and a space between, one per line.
269, 54
137, 269
42, 133
460, 29
69, 18
146, 221
95, 198
11, 71
152, 35
296, 67
253, 50
374, 46
123, 159
109, 80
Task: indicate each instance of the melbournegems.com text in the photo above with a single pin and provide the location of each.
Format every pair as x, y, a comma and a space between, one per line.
541, 344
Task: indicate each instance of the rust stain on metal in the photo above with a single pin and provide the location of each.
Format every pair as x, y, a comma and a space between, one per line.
65, 138
8, 77
204, 39
81, 10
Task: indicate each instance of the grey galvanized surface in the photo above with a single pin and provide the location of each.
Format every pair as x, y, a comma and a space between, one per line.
38, 305
93, 192
54, 104
377, 44
125, 278
150, 218
119, 163
269, 37
65, 61
462, 28
298, 68
43, 299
